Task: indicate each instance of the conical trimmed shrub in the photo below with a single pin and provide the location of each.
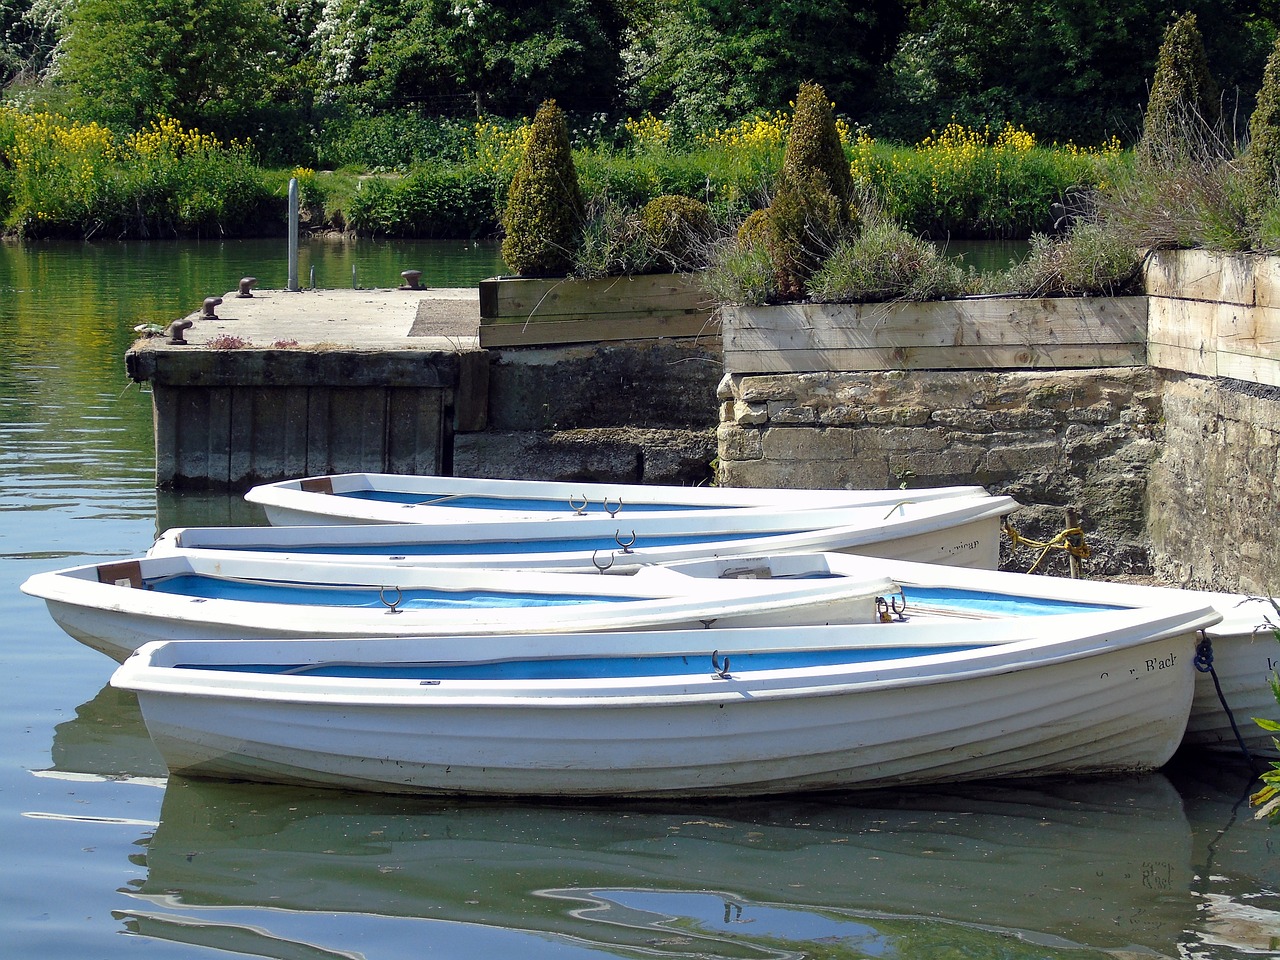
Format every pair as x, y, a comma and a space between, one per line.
810, 210
814, 142
1262, 162
544, 214
1185, 106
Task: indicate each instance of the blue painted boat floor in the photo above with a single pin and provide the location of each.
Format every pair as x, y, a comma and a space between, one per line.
519, 504
587, 668
263, 591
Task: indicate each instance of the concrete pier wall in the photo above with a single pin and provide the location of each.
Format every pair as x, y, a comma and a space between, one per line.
232, 418
1051, 440
639, 412
1159, 422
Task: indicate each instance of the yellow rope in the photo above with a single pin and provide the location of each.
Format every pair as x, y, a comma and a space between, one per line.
1060, 542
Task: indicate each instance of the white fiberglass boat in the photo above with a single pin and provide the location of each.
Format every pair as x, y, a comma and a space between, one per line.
680, 713
963, 530
392, 498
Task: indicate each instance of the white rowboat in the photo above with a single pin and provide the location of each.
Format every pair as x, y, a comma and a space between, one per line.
961, 530
724, 712
391, 498
116, 607
1242, 649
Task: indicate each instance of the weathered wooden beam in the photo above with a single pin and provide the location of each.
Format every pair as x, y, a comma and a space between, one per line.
953, 334
517, 299
598, 330
531, 311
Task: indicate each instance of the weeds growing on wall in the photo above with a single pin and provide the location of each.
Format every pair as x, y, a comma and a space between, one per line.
1191, 195
1090, 260
886, 262
613, 242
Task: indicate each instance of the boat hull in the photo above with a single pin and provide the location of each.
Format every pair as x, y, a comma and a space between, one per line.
117, 607
1081, 707
387, 498
960, 531
1244, 650
1245, 655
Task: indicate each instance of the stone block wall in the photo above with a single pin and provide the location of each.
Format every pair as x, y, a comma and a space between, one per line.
1174, 466
1214, 491
1083, 438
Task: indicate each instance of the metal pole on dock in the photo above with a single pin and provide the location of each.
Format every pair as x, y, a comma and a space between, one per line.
293, 234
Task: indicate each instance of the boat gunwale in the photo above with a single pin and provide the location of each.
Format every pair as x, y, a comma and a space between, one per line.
1140, 627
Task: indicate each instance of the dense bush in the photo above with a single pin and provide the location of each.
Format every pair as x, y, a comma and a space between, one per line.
886, 262
965, 183
680, 231
1090, 260
613, 242
544, 212
394, 140
432, 201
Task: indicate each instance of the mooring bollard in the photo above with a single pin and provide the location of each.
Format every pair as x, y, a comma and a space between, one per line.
175, 330
209, 304
411, 278
246, 286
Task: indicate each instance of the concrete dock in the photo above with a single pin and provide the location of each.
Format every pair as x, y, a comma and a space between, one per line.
319, 381
285, 384
428, 319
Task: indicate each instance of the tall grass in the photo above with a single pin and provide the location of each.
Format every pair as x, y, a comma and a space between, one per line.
449, 177
1191, 191
964, 183
68, 179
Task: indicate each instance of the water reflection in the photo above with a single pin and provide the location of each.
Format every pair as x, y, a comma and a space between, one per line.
1159, 866
106, 737
1018, 871
1236, 858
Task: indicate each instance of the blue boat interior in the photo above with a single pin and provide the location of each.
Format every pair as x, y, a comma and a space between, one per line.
603, 545
202, 587
588, 668
359, 595
520, 504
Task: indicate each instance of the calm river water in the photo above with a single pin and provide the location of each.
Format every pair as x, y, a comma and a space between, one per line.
104, 858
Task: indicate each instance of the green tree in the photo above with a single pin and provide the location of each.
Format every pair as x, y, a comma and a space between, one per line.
28, 36
501, 56
674, 66
704, 63
127, 61
1067, 69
